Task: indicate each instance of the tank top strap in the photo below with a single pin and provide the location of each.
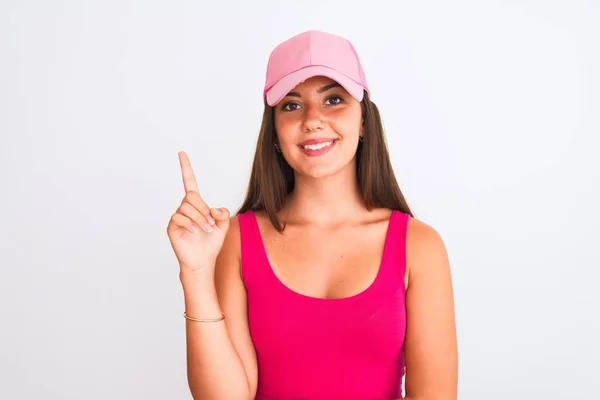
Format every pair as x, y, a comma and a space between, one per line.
393, 263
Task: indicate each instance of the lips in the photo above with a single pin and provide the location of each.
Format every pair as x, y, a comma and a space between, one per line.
317, 147
316, 141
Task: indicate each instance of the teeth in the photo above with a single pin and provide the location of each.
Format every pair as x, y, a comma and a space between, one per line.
317, 146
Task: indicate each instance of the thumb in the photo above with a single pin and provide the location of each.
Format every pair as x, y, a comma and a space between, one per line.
221, 216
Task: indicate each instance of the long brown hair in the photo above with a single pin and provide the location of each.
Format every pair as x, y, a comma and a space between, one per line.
272, 178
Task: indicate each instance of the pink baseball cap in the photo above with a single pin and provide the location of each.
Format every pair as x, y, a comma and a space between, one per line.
313, 53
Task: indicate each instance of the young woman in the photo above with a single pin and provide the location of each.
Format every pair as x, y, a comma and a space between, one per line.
323, 285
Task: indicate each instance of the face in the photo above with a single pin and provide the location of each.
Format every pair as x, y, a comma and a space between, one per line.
318, 126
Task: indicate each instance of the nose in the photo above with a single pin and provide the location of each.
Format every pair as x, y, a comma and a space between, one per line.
313, 119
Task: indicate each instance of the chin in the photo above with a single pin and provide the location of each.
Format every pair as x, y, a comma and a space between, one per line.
322, 171
330, 164
319, 173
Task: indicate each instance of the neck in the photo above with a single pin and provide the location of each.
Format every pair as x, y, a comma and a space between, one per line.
325, 201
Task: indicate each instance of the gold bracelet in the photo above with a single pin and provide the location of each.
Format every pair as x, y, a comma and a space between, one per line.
204, 320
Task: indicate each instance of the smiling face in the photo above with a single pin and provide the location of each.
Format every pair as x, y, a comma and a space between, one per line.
318, 125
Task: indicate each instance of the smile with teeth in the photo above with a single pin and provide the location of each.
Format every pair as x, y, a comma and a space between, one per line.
318, 146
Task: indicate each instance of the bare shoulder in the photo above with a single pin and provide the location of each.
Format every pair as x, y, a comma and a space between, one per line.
425, 249
233, 234
230, 254
423, 236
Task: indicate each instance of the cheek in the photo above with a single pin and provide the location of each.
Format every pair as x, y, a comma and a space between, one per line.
286, 128
347, 128
346, 121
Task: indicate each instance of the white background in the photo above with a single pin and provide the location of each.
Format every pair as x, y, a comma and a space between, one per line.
491, 114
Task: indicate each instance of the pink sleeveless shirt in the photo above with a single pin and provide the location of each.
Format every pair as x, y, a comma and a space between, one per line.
313, 348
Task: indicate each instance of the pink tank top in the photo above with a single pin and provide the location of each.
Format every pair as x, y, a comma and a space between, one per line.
313, 348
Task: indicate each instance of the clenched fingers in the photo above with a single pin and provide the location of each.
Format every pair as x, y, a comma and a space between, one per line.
199, 204
181, 221
221, 215
191, 212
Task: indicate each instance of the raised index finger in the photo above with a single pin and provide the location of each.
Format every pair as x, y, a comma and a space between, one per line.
189, 180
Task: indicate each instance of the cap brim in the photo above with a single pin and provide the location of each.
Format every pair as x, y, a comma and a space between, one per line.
290, 81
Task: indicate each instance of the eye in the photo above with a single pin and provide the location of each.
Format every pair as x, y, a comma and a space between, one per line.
334, 100
290, 106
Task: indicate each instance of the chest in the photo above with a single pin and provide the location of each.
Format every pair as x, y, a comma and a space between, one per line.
334, 263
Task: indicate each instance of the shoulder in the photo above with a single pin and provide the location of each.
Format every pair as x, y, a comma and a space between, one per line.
422, 236
230, 253
234, 230
425, 249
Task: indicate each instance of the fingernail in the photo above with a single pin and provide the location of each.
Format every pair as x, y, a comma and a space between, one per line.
208, 228
211, 220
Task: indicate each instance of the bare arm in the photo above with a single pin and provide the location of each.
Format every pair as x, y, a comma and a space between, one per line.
220, 355
221, 361
431, 342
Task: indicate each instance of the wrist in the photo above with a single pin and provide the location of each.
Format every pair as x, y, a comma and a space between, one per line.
197, 276
198, 283
200, 298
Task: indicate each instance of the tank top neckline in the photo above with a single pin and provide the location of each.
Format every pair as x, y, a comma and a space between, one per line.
371, 290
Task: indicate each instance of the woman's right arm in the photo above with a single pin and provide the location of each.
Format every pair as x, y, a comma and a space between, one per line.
221, 360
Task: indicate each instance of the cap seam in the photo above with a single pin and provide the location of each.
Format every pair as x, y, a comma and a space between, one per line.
359, 64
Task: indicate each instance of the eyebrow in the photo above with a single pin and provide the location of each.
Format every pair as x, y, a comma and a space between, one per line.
320, 90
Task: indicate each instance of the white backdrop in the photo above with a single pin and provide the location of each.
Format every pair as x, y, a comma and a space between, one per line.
491, 113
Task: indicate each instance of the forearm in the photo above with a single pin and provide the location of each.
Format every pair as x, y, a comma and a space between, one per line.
214, 369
